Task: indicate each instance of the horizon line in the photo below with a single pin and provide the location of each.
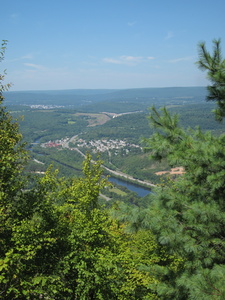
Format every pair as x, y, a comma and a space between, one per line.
116, 89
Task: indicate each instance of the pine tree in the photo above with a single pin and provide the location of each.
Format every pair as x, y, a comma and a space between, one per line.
187, 214
214, 64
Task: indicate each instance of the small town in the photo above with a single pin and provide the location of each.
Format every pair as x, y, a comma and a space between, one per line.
41, 106
105, 145
95, 145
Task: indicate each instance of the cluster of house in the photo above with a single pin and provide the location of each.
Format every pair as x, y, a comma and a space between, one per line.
104, 145
40, 106
95, 145
55, 144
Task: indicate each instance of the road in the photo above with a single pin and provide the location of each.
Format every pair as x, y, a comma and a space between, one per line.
117, 173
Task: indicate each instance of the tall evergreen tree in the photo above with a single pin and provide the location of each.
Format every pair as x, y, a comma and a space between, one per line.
187, 214
214, 64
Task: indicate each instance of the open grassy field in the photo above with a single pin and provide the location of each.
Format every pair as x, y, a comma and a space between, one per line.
94, 119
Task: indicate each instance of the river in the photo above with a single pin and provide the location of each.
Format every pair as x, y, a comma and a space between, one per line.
141, 191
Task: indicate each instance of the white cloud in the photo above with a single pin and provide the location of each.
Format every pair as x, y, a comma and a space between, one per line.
176, 60
37, 67
112, 60
28, 56
127, 60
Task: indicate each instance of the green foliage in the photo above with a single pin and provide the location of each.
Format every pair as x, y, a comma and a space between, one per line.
69, 163
58, 242
116, 101
11, 151
188, 214
3, 87
12, 158
52, 124
63, 245
215, 66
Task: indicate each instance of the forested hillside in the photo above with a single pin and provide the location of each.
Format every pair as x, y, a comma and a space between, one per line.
45, 129
57, 240
116, 101
115, 118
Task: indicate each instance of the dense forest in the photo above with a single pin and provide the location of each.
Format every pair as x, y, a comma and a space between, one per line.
59, 239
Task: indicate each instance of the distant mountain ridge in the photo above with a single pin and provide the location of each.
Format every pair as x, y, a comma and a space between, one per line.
101, 99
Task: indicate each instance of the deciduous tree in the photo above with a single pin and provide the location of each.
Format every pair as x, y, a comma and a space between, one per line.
56, 241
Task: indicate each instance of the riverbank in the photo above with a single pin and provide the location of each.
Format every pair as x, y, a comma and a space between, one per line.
117, 174
129, 178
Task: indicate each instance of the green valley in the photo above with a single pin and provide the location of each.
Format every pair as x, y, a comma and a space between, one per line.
111, 124
70, 230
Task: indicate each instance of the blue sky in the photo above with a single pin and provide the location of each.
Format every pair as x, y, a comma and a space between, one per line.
73, 44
